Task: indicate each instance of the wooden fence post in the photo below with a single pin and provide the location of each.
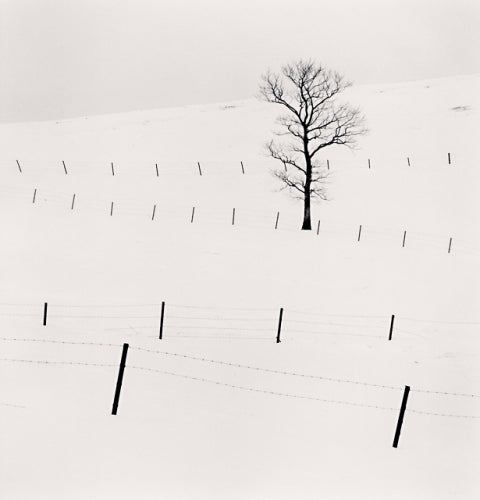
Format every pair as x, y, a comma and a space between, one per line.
280, 318
328, 165
153, 213
34, 195
276, 221
156, 168
18, 165
404, 238
369, 163
64, 167
73, 201
400, 416
449, 159
243, 168
450, 245
318, 227
45, 309
199, 168
193, 214
118, 388
391, 327
233, 217
113, 170
162, 316
359, 232
408, 161
111, 209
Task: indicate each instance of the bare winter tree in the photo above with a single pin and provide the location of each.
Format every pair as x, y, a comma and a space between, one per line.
314, 120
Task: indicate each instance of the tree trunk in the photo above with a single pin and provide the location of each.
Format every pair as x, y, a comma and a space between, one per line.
307, 220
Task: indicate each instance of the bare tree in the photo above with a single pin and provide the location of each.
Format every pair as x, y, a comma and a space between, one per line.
314, 120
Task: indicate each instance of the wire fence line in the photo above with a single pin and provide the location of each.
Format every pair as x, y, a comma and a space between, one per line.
239, 365
238, 387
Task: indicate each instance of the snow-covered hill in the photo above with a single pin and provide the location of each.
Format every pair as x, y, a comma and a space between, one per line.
204, 412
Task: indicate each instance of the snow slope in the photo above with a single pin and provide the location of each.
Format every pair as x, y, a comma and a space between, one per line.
204, 412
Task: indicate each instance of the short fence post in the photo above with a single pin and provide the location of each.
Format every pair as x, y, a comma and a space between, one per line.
111, 209
449, 159
408, 161
162, 315
404, 238
193, 214
153, 213
280, 318
18, 165
156, 168
328, 165
450, 245
199, 168
243, 168
276, 221
118, 388
391, 327
64, 167
400, 416
113, 170
233, 217
359, 232
45, 309
369, 163
318, 227
34, 195
73, 201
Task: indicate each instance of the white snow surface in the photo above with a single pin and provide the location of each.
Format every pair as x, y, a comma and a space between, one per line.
186, 427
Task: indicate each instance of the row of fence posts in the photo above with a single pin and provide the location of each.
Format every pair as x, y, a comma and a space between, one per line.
121, 371
278, 340
192, 217
242, 166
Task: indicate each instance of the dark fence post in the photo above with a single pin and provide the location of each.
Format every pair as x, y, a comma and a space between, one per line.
34, 195
450, 245
318, 226
328, 165
64, 167
280, 318
233, 217
400, 416
111, 209
359, 232
45, 309
113, 170
193, 214
408, 161
449, 159
153, 213
404, 238
199, 168
156, 168
391, 327
276, 222
369, 163
118, 388
162, 316
243, 168
73, 201
18, 165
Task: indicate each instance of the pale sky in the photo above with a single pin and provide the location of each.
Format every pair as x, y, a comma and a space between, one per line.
65, 58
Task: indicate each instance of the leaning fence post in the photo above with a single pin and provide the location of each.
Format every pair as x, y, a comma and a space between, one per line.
153, 212
318, 226
18, 165
199, 168
156, 168
45, 309
243, 168
193, 214
113, 170
111, 209
404, 238
400, 416
162, 315
280, 318
64, 167
449, 159
359, 232
450, 245
233, 217
276, 222
391, 327
118, 388
408, 161
369, 163
34, 195
328, 165
73, 201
